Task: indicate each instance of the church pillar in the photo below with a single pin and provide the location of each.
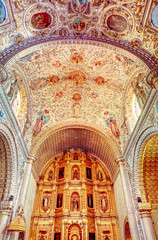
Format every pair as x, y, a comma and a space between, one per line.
26, 179
147, 225
128, 199
18, 224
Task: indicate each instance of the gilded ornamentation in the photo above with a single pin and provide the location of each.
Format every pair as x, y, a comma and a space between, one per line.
74, 200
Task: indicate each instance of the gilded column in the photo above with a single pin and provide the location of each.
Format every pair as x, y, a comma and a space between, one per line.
128, 199
147, 225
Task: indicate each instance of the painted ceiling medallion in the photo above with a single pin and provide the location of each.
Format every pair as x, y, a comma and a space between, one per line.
117, 21
79, 24
154, 16
2, 12
79, 5
40, 19
77, 78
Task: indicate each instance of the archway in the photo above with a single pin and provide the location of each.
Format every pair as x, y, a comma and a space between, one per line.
70, 206
148, 177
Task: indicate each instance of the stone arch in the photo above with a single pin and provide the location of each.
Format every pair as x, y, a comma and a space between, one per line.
9, 152
74, 231
137, 174
127, 230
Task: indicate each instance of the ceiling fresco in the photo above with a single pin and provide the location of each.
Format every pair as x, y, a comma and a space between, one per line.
78, 61
74, 83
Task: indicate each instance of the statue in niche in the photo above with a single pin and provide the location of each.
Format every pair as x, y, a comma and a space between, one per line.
75, 203
75, 156
104, 203
59, 200
99, 176
75, 174
90, 200
88, 173
45, 201
57, 236
50, 175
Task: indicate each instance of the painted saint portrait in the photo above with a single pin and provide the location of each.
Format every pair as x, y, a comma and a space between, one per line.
88, 173
40, 121
2, 12
112, 124
90, 200
117, 23
91, 236
79, 5
59, 200
57, 236
61, 173
79, 24
46, 201
41, 20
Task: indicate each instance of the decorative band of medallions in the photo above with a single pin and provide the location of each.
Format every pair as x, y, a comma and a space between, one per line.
117, 22
40, 19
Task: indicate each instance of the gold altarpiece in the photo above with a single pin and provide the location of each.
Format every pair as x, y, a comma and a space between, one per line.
74, 200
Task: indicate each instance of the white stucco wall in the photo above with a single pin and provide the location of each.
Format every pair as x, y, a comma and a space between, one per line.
120, 205
29, 205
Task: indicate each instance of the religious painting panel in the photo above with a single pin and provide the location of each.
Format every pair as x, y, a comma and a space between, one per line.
41, 20
75, 173
88, 173
79, 5
61, 173
90, 200
57, 236
59, 200
91, 236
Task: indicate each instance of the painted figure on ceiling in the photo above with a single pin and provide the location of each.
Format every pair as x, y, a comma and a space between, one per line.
40, 121
79, 5
112, 124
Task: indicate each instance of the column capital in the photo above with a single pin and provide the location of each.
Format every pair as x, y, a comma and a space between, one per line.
31, 159
144, 209
152, 78
120, 161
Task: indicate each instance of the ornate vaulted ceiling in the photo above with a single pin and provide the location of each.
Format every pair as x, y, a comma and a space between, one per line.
78, 63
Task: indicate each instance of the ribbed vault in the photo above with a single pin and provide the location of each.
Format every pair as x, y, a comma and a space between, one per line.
89, 139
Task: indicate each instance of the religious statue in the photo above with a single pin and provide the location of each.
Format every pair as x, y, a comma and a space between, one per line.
50, 175
75, 203
99, 176
45, 201
104, 203
75, 174
59, 200
90, 200
88, 173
